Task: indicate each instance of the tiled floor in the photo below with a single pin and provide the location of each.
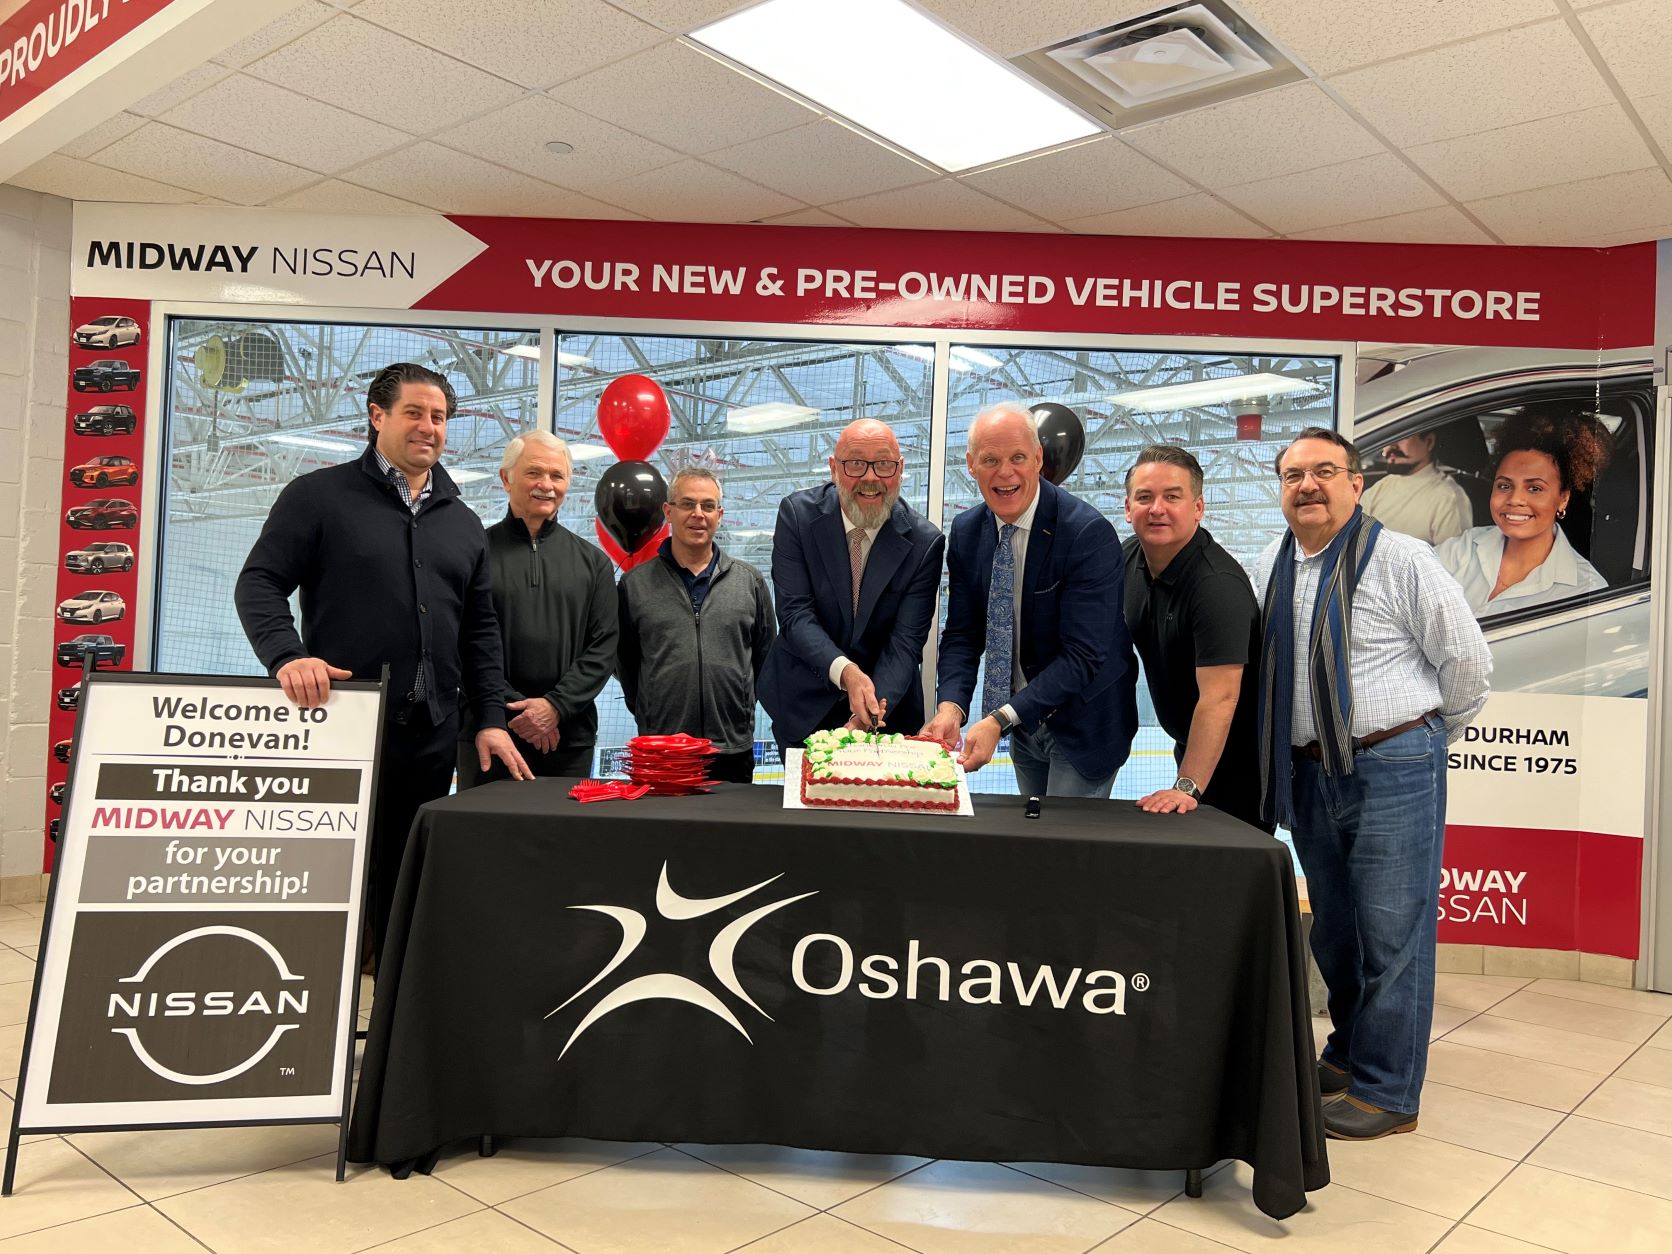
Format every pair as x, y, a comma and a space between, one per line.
1546, 1125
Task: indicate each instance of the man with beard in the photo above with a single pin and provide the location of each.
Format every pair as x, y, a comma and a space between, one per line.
1036, 582
554, 596
855, 571
696, 624
1416, 496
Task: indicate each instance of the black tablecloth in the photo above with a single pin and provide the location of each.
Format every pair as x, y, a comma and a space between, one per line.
1094, 986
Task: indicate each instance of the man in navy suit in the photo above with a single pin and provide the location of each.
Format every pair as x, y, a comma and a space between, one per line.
1037, 585
855, 572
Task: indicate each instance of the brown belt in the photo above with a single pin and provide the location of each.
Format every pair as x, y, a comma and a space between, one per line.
1315, 751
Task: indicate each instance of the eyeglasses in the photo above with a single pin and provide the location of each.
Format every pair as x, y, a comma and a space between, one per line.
1323, 473
685, 505
854, 468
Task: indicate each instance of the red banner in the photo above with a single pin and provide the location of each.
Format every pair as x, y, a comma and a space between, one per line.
98, 564
1266, 289
1541, 889
46, 41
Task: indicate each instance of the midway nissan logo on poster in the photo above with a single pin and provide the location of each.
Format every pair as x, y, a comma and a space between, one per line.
826, 964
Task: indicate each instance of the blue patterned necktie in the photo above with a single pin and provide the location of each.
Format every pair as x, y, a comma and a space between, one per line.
1001, 624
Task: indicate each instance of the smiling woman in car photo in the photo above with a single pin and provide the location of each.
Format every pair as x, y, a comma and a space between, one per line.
1526, 558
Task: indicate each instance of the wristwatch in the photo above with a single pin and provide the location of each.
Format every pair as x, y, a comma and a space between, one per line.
1004, 721
1187, 786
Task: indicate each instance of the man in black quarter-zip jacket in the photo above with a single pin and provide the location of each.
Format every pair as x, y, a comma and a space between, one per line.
392, 570
554, 596
695, 629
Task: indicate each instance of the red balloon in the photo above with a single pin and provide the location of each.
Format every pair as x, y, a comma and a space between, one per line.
633, 417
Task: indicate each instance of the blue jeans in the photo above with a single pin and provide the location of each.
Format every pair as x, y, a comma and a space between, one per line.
1043, 771
1370, 845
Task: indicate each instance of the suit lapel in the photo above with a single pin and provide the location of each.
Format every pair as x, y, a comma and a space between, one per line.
1040, 540
830, 541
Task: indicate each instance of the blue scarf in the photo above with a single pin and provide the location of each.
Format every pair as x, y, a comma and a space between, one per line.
1327, 656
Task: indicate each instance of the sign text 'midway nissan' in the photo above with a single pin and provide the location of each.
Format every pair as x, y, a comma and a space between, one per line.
202, 938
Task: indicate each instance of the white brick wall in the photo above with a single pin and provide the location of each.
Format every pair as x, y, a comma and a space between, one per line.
34, 356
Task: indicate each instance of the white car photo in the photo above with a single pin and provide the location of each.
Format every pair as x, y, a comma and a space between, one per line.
93, 607
1595, 643
110, 332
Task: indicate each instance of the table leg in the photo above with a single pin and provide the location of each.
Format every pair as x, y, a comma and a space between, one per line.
1193, 1182
487, 1149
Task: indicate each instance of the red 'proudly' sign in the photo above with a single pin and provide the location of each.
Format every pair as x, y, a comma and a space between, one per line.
46, 41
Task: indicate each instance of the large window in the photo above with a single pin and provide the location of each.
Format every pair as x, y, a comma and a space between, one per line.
764, 416
252, 405
1232, 410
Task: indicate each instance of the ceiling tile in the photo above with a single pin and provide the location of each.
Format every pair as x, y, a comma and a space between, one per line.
266, 118
822, 161
677, 96
1099, 176
455, 182
679, 16
1199, 214
1358, 32
1281, 131
182, 88
276, 34
1444, 225
693, 192
81, 180
205, 165
1371, 187
807, 217
516, 137
1656, 112
1633, 39
1562, 149
1008, 29
943, 206
367, 70
335, 196
1498, 80
533, 42
106, 132
1633, 235
1583, 210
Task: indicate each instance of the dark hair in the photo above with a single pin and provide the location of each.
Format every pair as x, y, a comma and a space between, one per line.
1577, 443
1169, 455
385, 389
1355, 464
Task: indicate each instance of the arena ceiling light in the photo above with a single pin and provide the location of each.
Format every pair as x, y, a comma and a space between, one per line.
1203, 392
885, 66
924, 353
588, 452
532, 352
771, 416
326, 444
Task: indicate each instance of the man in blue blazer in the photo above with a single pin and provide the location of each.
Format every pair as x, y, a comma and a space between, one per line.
855, 572
1045, 608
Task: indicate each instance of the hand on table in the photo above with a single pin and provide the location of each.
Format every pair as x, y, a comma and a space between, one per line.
495, 742
1167, 801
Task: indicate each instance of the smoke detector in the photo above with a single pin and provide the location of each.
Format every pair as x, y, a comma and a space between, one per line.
1168, 61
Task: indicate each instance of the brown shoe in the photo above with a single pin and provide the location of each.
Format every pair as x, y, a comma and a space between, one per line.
1349, 1119
1332, 1081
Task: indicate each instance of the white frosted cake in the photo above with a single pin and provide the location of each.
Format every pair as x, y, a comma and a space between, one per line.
875, 770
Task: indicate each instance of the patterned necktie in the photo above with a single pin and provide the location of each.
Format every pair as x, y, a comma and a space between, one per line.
1001, 624
856, 560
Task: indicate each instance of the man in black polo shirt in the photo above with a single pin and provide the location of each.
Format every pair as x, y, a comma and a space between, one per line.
1196, 625
393, 569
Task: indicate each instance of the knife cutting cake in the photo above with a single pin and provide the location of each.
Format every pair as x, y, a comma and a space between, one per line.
873, 770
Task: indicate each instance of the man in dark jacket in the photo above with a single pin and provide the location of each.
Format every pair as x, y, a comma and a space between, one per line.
696, 625
393, 570
856, 571
554, 596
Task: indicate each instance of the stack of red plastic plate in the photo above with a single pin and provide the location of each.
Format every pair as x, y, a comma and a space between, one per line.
673, 766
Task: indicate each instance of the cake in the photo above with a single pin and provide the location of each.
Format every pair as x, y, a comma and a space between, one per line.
872, 770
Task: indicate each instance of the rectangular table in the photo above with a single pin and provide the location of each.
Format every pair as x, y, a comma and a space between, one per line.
1095, 986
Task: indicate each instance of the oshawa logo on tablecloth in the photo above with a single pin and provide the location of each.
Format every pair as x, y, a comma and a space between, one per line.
980, 981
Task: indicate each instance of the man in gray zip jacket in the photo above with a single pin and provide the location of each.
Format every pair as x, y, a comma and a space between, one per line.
696, 625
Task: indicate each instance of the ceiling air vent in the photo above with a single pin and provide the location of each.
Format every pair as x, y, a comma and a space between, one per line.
1166, 62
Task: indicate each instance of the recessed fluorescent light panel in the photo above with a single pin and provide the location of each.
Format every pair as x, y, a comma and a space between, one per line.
771, 416
1203, 392
886, 67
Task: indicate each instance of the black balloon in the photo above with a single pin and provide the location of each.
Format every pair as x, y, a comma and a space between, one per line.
1061, 436
629, 498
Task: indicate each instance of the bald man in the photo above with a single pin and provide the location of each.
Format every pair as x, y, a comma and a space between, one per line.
855, 571
1035, 605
